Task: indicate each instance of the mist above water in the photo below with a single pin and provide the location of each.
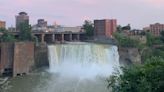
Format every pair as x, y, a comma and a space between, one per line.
83, 61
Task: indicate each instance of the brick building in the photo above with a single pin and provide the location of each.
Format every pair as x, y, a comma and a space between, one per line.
155, 29
2, 24
21, 18
105, 28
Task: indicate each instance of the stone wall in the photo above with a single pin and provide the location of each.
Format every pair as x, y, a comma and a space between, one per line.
23, 58
41, 56
6, 58
129, 56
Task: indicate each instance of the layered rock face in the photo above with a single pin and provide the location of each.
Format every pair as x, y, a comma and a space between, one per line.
129, 56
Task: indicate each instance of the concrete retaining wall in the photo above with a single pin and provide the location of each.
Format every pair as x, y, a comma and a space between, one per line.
6, 58
23, 58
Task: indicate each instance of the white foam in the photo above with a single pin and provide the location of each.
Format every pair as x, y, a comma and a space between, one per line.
83, 60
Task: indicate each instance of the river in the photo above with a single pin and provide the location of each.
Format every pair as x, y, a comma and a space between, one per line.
74, 67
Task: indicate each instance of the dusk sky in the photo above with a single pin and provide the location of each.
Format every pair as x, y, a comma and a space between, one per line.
138, 13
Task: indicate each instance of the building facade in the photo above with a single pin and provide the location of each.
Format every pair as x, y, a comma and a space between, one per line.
156, 28
105, 28
41, 26
21, 18
42, 23
2, 24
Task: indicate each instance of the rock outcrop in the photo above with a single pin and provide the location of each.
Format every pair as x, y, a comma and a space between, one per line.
129, 56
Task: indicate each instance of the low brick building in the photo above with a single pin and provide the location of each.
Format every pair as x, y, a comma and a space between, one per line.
155, 29
2, 24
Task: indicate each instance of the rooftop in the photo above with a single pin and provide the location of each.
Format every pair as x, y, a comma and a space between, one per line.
22, 13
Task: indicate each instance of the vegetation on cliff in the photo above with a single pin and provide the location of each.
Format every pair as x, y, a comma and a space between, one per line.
152, 40
148, 77
125, 41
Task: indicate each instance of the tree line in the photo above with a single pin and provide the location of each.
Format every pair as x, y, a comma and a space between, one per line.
24, 34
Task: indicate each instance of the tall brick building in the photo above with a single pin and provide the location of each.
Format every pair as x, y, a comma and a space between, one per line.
21, 18
2, 24
105, 28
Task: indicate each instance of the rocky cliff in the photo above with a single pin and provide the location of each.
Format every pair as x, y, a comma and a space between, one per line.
129, 56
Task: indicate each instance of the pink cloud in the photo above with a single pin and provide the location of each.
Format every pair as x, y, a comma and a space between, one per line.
156, 3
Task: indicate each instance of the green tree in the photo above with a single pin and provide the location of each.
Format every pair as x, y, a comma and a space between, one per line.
88, 27
119, 28
25, 32
6, 36
162, 36
125, 41
150, 39
148, 77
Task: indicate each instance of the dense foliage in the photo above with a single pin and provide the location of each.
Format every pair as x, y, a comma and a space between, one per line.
125, 41
162, 36
152, 40
6, 36
88, 27
148, 77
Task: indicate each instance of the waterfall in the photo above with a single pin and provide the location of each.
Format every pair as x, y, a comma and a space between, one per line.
84, 60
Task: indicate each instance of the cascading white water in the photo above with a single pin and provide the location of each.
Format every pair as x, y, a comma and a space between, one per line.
83, 60
74, 67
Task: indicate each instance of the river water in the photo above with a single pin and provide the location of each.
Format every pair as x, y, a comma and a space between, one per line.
74, 67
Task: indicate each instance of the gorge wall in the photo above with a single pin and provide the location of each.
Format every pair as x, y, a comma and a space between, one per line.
129, 56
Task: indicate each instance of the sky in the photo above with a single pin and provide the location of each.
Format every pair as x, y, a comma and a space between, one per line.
138, 13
